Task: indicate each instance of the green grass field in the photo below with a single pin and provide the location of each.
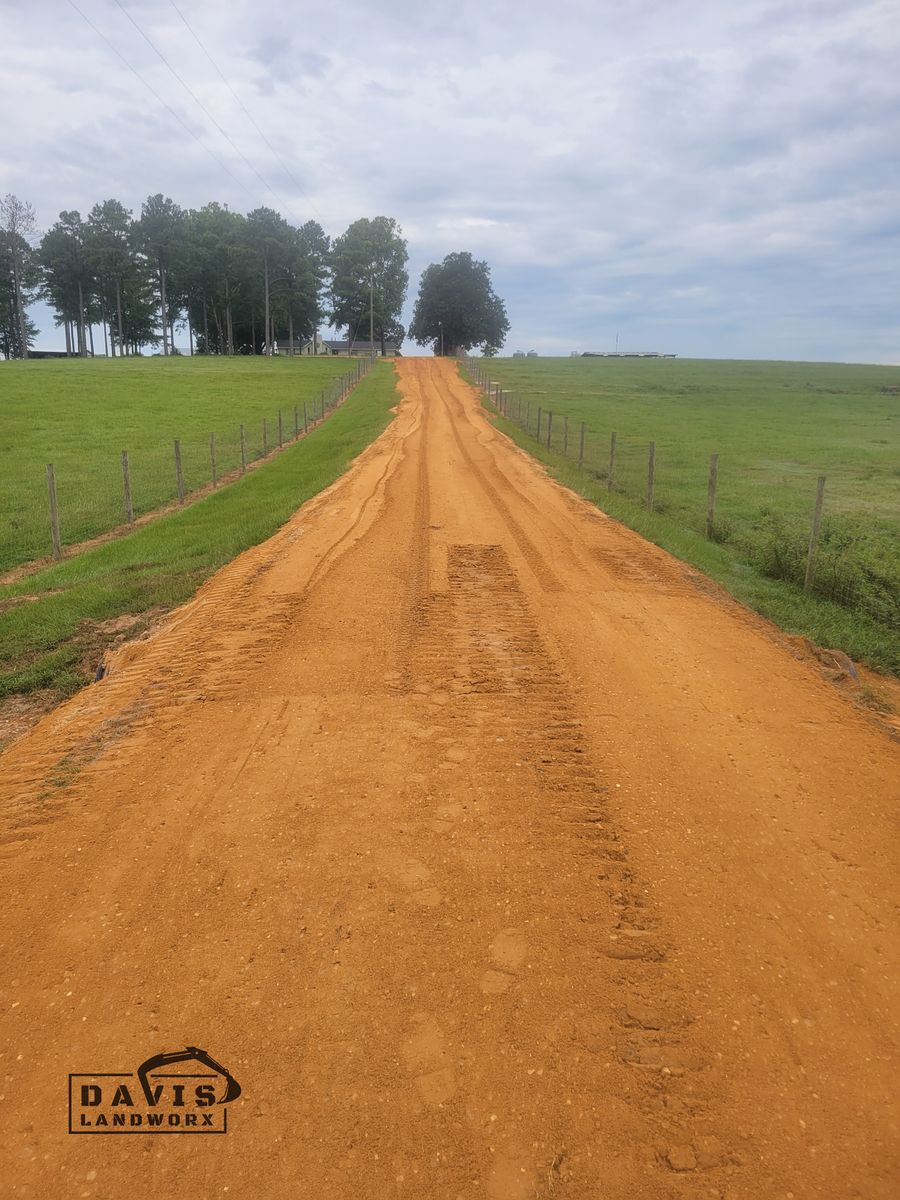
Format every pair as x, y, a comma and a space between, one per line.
80, 414
776, 427
50, 635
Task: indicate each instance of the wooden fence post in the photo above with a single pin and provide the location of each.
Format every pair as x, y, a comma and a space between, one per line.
296, 422
711, 495
566, 436
538, 434
323, 406
814, 536
651, 473
54, 512
212, 460
305, 419
280, 430
265, 437
581, 447
611, 473
549, 427
243, 451
126, 480
179, 474
528, 416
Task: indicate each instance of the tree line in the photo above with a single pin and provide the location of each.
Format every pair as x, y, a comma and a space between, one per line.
238, 283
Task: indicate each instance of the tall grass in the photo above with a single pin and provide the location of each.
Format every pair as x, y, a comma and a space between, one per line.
80, 414
775, 427
49, 635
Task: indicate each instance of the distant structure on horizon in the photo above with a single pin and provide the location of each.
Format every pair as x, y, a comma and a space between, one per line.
621, 354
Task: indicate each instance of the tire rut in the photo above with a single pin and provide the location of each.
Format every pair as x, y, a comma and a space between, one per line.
479, 660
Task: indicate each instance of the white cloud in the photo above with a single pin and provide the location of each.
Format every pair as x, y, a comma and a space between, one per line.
696, 172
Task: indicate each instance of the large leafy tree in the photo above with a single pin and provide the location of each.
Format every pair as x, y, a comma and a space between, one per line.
159, 234
303, 279
17, 227
108, 248
371, 253
18, 275
457, 308
69, 281
270, 240
216, 262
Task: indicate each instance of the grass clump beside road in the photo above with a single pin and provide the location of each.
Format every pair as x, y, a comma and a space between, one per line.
50, 635
775, 426
80, 414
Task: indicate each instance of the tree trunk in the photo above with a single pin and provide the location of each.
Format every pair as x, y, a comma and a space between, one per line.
190, 335
91, 333
291, 333
253, 328
119, 316
229, 323
20, 307
266, 270
206, 328
68, 337
105, 342
82, 338
162, 304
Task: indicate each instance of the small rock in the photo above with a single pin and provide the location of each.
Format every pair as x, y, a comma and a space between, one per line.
681, 1158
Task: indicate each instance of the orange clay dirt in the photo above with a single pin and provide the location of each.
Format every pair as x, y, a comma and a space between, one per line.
491, 855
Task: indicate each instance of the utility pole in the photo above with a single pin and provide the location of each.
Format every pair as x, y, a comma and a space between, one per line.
441, 323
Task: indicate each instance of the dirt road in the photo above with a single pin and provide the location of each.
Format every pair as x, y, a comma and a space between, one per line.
492, 854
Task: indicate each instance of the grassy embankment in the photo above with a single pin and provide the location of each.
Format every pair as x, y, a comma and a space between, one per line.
50, 622
776, 427
80, 414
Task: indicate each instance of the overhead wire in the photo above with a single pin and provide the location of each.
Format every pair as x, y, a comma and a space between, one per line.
268, 187
163, 102
300, 188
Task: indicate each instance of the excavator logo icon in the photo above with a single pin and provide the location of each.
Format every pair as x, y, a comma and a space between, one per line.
191, 1098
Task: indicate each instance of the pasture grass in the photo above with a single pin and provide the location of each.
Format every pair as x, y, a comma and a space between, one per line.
80, 414
49, 622
776, 427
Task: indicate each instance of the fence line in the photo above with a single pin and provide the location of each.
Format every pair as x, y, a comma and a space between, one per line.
330, 398
510, 406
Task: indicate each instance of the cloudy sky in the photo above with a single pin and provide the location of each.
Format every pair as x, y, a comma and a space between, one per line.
716, 178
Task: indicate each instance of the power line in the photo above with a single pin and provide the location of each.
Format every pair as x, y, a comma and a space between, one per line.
165, 105
240, 102
200, 104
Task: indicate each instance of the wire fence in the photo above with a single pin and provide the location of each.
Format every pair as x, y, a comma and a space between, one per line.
198, 466
841, 569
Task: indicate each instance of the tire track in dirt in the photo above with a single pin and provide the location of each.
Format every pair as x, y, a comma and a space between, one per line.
480, 643
543, 573
496, 861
